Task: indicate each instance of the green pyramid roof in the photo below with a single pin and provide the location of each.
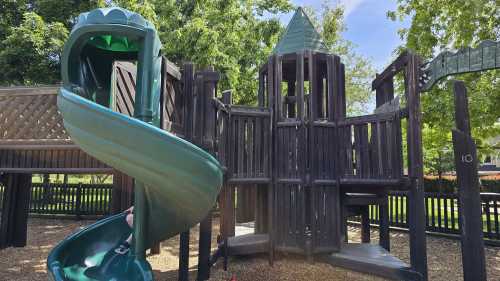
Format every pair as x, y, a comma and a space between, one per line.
300, 35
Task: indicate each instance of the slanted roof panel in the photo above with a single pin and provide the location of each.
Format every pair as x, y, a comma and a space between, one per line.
300, 35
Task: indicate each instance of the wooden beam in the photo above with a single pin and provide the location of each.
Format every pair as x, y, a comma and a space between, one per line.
172, 69
29, 91
391, 70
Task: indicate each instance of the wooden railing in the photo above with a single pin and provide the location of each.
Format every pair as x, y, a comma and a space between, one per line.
442, 212
247, 155
371, 147
71, 199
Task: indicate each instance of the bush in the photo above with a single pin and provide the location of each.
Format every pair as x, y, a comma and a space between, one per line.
444, 186
490, 186
450, 185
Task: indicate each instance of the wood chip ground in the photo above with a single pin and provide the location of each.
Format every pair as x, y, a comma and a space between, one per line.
28, 264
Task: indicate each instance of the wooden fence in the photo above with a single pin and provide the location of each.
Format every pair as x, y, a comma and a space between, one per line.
71, 199
442, 212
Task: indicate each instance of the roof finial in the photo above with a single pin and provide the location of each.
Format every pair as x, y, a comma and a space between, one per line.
300, 35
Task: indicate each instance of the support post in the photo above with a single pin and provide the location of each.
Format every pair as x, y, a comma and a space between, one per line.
14, 223
365, 224
418, 245
206, 137
204, 248
384, 238
471, 227
184, 256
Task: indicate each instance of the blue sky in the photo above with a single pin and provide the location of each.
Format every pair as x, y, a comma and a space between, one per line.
368, 27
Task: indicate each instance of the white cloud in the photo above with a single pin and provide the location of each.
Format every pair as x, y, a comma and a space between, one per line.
350, 5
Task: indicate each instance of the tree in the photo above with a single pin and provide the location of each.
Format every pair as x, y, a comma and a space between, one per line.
233, 36
438, 152
359, 70
41, 27
437, 25
37, 61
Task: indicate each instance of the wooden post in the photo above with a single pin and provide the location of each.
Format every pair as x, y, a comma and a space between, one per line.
261, 209
473, 258
272, 93
188, 81
206, 135
365, 224
184, 256
384, 238
227, 194
14, 223
78, 203
418, 245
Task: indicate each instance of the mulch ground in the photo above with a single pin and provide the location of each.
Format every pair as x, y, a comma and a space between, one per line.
28, 264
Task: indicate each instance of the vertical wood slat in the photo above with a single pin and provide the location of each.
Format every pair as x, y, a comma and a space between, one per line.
496, 218
375, 150
446, 212
487, 212
332, 70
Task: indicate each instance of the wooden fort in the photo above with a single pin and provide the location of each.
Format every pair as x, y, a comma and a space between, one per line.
295, 165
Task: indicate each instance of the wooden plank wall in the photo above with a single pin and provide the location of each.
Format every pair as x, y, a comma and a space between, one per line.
172, 99
49, 159
248, 154
371, 147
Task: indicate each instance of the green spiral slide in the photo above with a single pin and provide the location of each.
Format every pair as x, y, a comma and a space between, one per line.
176, 182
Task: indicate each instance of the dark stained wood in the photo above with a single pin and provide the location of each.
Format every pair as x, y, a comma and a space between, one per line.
396, 66
123, 192
473, 255
384, 238
14, 221
385, 92
204, 136
418, 250
184, 256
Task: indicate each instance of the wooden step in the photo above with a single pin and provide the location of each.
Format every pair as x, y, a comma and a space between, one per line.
371, 259
248, 244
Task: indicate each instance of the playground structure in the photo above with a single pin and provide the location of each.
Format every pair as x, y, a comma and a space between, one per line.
310, 166
298, 165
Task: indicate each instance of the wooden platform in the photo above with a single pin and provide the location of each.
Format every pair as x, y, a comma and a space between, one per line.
371, 259
248, 244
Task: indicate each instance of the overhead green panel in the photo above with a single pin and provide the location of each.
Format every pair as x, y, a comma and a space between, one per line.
485, 56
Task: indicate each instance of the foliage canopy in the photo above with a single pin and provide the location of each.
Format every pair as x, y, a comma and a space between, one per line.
438, 25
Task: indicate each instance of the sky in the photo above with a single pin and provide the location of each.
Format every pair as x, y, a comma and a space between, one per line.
374, 35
